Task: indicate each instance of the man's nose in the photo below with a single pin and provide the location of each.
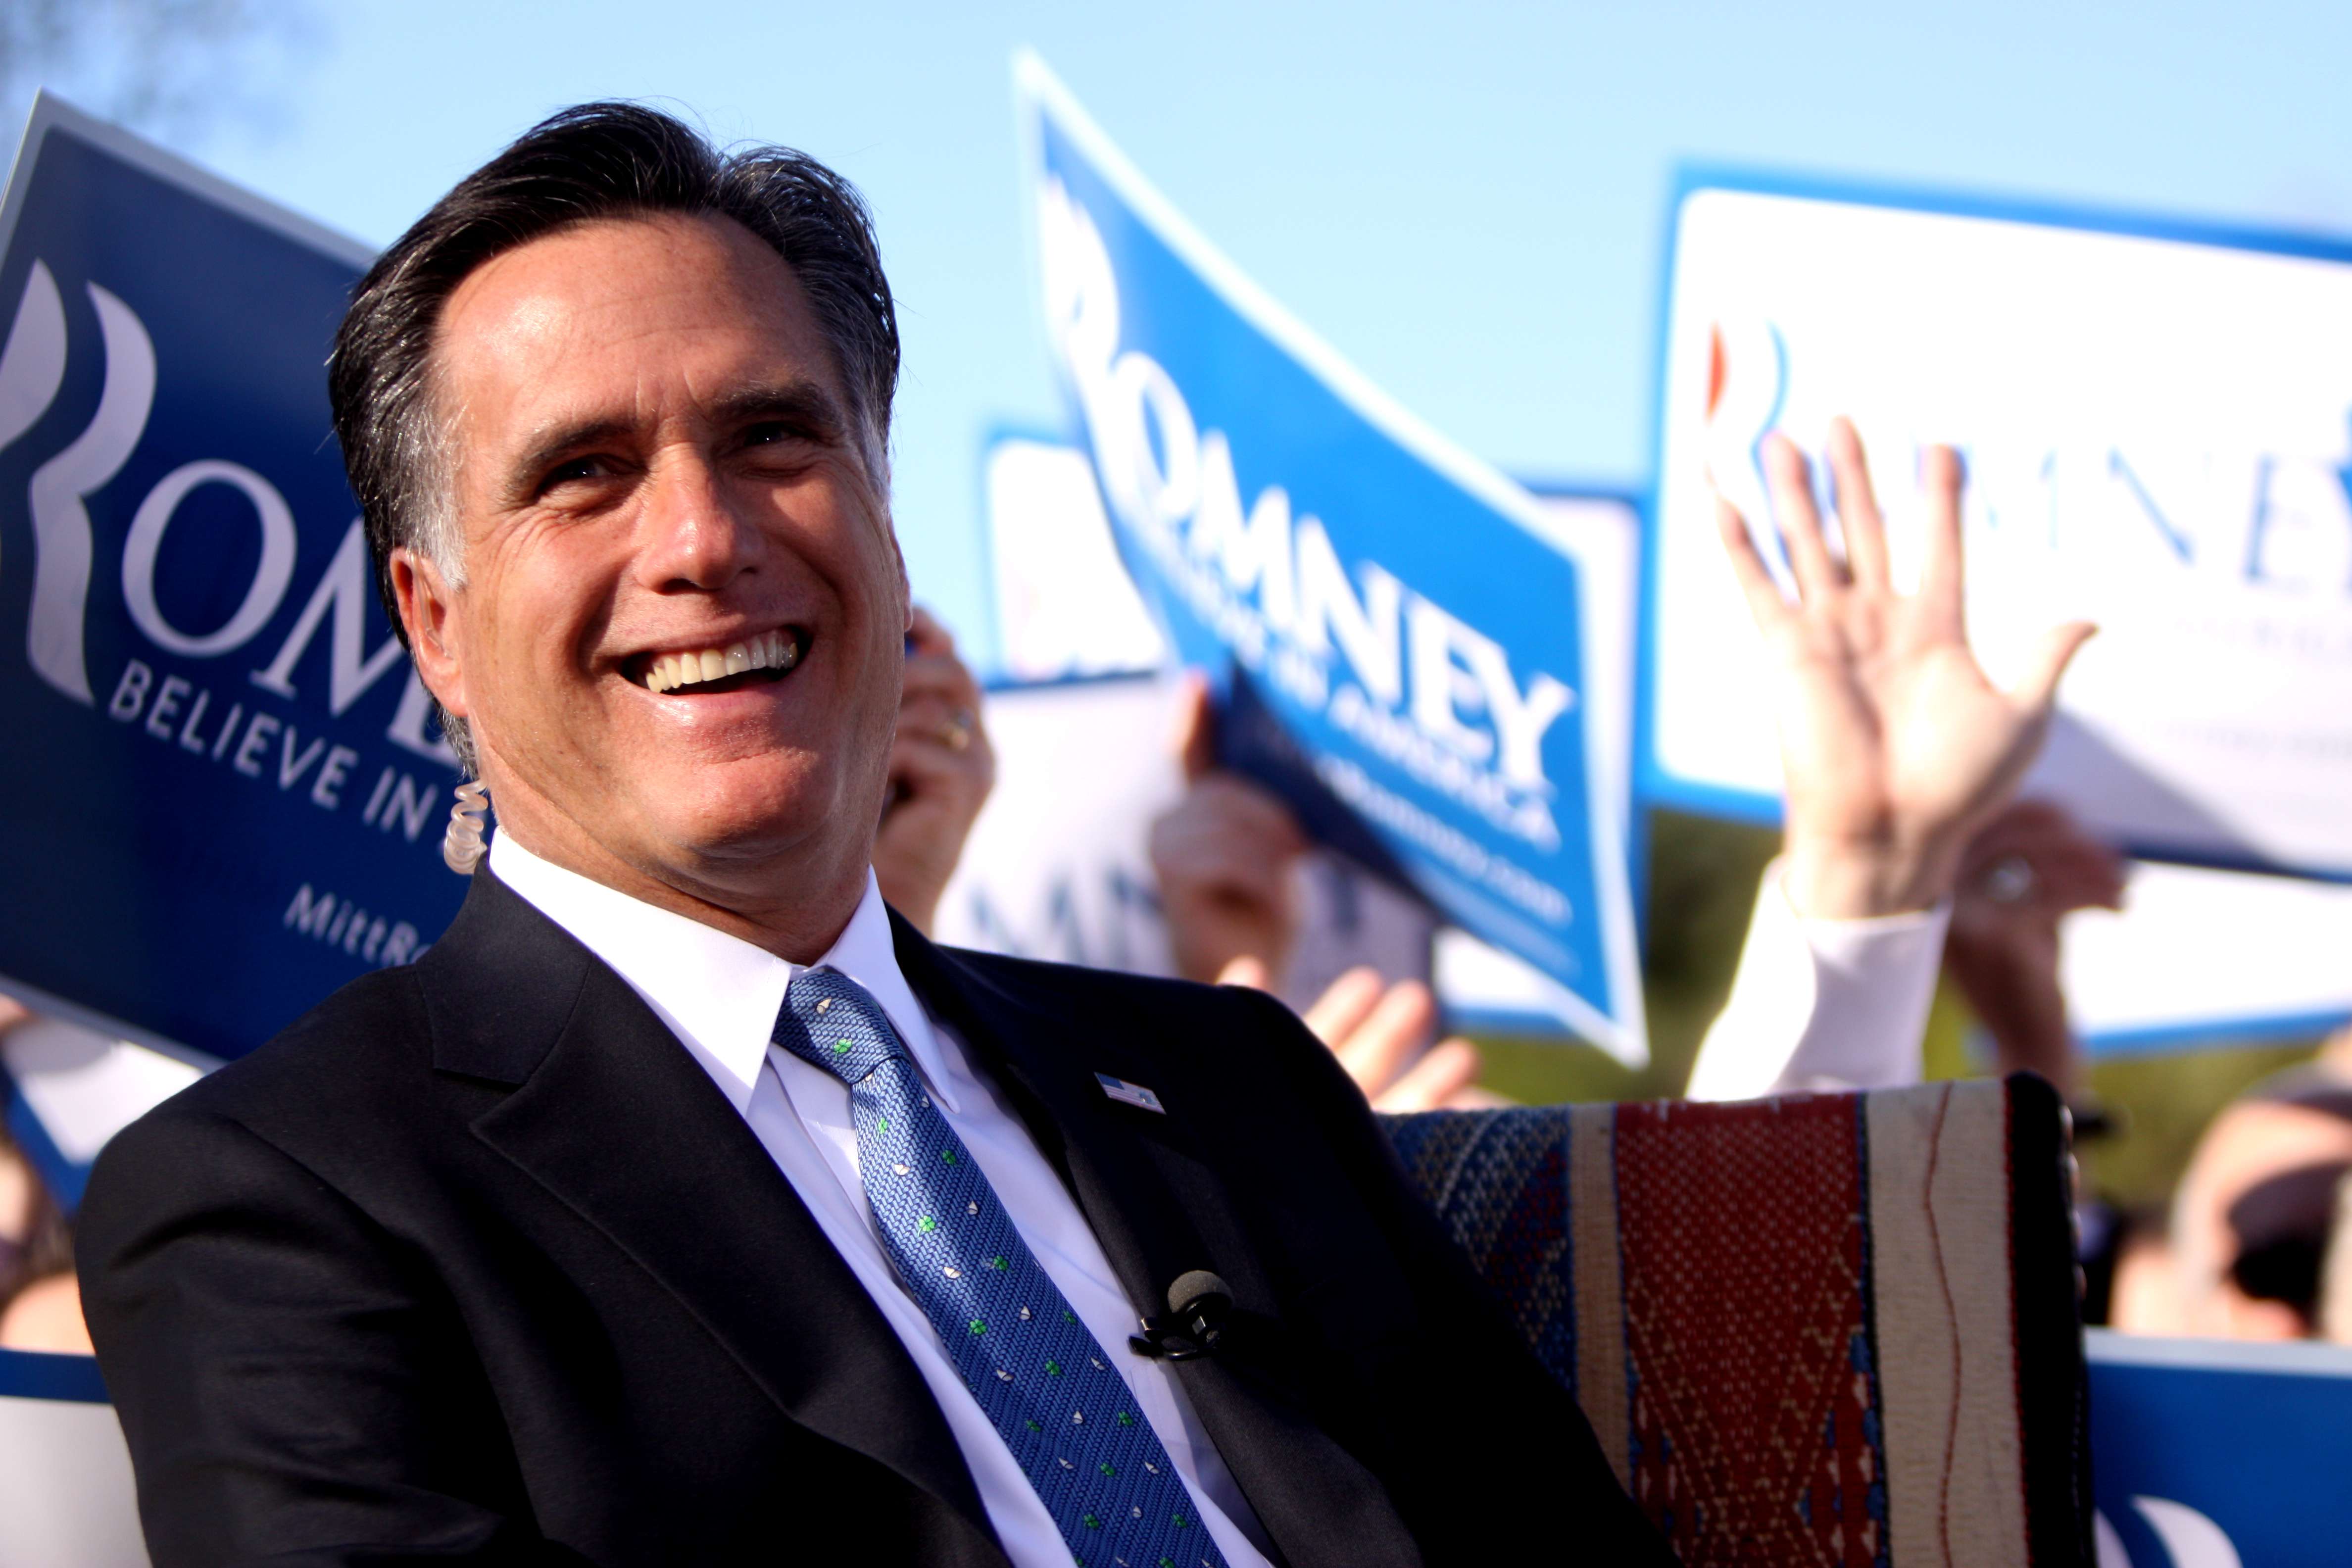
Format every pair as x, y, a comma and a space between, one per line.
695, 537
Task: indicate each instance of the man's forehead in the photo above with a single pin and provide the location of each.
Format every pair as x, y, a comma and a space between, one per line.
626, 310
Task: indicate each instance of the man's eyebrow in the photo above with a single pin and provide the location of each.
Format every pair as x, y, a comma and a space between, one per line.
557, 441
805, 407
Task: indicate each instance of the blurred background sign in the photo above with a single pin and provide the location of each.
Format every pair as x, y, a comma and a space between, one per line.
70, 1089
2198, 956
1058, 866
2212, 1454
2155, 423
1397, 628
66, 1487
1062, 604
234, 805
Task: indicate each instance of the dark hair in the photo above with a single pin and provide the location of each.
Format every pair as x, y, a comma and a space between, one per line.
2281, 1227
591, 162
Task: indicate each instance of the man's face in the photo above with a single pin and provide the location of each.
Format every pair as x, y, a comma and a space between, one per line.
657, 481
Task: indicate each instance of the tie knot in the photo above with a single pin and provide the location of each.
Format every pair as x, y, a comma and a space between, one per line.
830, 1020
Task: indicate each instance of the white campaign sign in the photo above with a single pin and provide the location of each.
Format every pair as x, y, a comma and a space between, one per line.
2157, 437
1064, 606
2198, 957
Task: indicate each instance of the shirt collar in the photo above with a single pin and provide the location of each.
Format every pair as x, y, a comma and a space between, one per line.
718, 993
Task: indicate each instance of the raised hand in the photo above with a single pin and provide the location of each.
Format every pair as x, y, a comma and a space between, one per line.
1896, 746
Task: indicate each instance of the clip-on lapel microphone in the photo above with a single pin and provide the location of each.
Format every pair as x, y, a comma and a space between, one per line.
1197, 1304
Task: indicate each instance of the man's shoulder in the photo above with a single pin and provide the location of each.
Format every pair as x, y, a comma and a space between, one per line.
356, 1047
327, 1100
483, 1001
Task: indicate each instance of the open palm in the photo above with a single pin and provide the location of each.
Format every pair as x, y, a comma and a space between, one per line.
1896, 746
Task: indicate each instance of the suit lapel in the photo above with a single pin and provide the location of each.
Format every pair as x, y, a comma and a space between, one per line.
1159, 1209
703, 1208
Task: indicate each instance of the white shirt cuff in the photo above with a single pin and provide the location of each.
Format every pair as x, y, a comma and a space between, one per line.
1823, 1004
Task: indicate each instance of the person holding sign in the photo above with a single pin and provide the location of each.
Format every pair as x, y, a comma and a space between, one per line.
1896, 751
682, 1204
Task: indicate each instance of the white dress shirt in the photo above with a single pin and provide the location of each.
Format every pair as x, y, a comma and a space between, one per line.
721, 996
1822, 1004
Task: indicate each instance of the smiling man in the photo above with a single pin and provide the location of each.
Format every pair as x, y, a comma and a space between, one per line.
674, 619
682, 1205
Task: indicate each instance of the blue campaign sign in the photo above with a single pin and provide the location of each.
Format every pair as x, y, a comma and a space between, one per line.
219, 799
2209, 1454
1399, 629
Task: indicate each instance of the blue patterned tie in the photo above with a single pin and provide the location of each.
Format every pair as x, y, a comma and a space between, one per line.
1050, 1389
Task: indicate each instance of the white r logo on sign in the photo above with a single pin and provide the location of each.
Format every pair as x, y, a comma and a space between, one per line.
2190, 1540
32, 368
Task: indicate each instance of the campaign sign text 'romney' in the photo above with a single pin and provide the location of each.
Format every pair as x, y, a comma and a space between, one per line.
223, 791
1397, 627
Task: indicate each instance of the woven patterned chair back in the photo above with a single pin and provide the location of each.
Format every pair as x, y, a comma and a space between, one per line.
1837, 1329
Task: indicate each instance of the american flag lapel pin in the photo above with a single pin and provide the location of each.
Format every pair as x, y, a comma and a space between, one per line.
1128, 1093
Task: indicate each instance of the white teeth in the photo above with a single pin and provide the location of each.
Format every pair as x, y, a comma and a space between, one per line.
769, 651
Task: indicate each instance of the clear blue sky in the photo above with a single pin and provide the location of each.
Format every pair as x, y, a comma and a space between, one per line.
1466, 199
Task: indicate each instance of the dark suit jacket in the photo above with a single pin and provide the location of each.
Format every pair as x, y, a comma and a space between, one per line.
474, 1264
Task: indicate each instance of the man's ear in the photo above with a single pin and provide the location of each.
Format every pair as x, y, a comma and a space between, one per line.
428, 614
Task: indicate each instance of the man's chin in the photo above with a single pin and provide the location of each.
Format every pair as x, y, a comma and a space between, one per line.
757, 835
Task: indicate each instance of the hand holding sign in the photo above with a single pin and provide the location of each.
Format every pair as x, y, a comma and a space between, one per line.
941, 770
1225, 855
1895, 745
2029, 868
